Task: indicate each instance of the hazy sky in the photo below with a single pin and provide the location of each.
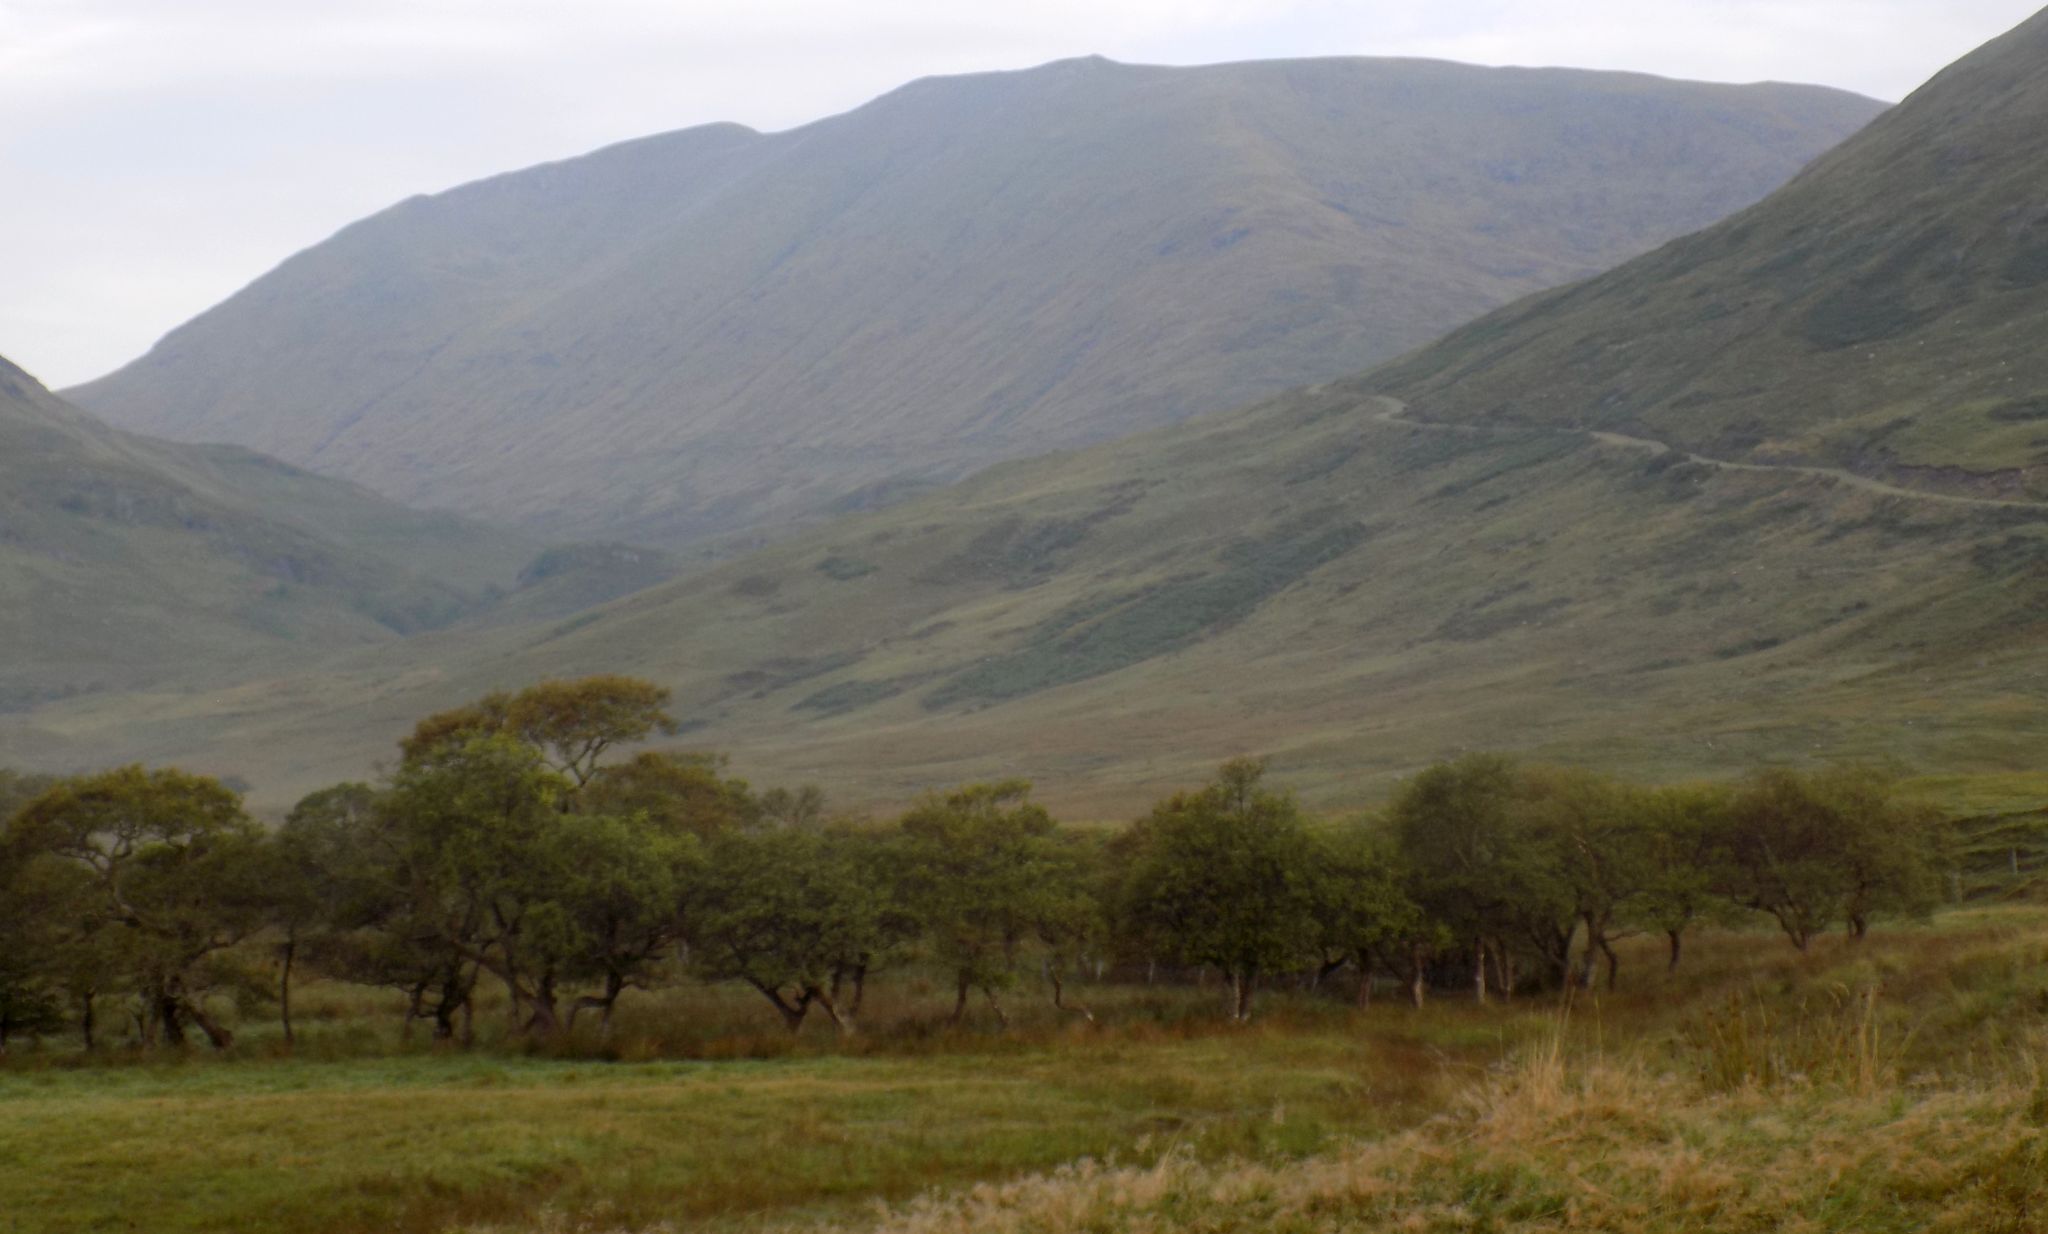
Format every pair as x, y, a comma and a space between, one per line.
158, 154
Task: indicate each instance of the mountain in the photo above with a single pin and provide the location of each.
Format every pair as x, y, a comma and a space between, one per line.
127, 562
1883, 313
1364, 575
718, 330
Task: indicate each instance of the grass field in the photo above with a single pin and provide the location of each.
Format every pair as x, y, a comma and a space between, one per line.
1880, 1086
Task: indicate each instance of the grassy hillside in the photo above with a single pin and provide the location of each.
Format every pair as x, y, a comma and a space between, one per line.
1882, 313
129, 563
718, 329
1351, 594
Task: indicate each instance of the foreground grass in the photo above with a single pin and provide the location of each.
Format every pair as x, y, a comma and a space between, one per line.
1573, 1144
421, 1143
1891, 1085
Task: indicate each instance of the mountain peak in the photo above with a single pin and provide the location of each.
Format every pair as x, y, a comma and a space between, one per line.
717, 331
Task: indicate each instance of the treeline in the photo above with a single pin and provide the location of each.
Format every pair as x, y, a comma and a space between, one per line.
507, 848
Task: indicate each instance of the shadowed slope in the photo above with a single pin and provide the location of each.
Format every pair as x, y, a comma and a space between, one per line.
126, 561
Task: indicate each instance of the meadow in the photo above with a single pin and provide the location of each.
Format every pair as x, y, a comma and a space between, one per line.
1889, 1084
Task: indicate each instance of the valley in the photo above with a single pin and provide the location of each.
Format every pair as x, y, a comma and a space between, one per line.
1298, 645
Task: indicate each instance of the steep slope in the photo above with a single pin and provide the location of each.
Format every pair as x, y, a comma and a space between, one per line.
1883, 313
718, 329
128, 562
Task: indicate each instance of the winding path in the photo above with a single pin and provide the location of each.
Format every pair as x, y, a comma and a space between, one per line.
1393, 411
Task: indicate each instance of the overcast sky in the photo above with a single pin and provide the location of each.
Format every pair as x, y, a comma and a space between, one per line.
159, 154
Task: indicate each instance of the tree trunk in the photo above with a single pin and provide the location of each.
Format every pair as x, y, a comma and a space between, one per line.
614, 989
1002, 1018
1859, 926
960, 999
1059, 997
284, 989
217, 1034
1794, 924
1613, 964
1364, 979
1242, 984
1677, 938
1418, 976
86, 1020
841, 1023
546, 1019
168, 1023
1479, 972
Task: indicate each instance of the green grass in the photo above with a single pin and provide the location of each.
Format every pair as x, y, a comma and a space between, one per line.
415, 1143
1903, 1066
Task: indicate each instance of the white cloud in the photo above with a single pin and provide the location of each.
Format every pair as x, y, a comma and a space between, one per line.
160, 153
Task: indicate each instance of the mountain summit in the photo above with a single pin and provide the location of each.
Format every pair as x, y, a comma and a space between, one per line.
719, 329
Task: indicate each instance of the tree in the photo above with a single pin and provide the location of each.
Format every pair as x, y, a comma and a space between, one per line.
174, 866
1226, 876
319, 880
786, 911
31, 904
485, 860
1685, 863
29, 1000
372, 902
1363, 912
679, 794
1478, 866
979, 873
571, 723
1833, 846
1070, 919
1599, 833
624, 896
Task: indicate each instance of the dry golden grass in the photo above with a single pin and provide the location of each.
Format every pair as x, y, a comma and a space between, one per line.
1892, 1086
1573, 1143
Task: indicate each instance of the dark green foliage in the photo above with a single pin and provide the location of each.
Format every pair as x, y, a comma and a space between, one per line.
156, 875
1107, 634
1229, 877
845, 569
849, 696
1832, 848
2020, 411
794, 914
504, 848
982, 873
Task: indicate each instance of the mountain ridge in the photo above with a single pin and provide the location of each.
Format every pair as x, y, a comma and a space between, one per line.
706, 332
